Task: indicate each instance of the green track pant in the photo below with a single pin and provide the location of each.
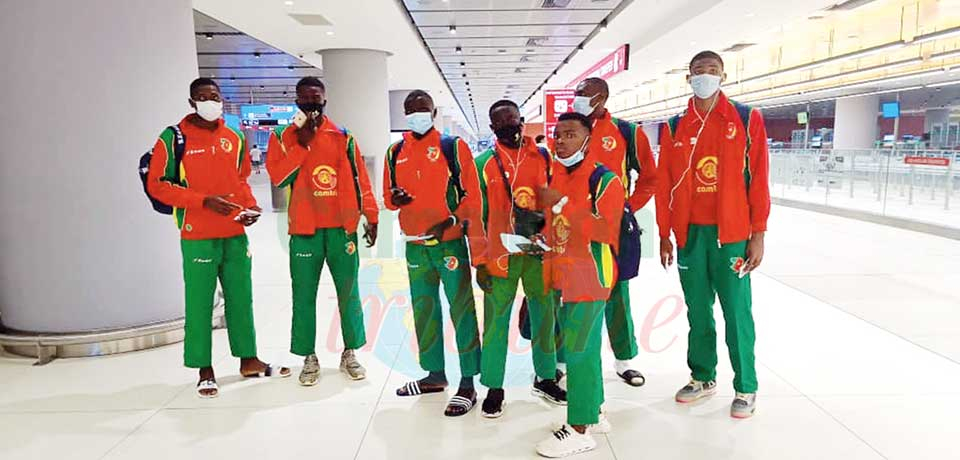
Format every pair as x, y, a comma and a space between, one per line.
582, 338
307, 255
428, 266
620, 328
204, 261
497, 306
708, 270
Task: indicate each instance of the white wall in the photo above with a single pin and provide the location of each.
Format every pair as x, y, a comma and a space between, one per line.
88, 86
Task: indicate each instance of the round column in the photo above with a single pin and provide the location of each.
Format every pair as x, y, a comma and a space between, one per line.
95, 83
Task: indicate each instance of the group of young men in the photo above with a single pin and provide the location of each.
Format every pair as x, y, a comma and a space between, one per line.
560, 222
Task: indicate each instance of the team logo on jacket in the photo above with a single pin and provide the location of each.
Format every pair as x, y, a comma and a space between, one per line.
736, 263
433, 153
707, 174
325, 180
731, 130
350, 248
451, 262
561, 230
226, 145
524, 198
609, 143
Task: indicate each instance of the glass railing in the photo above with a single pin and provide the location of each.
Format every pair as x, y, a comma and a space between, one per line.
912, 184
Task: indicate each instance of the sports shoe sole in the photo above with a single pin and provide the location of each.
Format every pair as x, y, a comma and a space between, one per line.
309, 383
704, 394
743, 416
493, 415
352, 377
546, 397
567, 454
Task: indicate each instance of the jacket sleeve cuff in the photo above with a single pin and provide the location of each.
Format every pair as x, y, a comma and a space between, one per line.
196, 201
759, 227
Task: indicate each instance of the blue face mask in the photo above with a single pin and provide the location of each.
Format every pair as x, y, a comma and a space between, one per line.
420, 122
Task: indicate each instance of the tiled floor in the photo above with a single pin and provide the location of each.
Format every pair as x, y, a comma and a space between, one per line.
850, 367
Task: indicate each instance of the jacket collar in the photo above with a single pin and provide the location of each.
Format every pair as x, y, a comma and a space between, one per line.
723, 108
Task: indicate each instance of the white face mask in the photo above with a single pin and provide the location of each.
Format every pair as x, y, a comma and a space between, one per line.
705, 85
209, 110
420, 122
577, 157
581, 105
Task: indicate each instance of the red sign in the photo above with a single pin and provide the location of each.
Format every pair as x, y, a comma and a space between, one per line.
555, 103
616, 62
926, 161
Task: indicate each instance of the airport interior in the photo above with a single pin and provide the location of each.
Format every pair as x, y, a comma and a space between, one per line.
837, 338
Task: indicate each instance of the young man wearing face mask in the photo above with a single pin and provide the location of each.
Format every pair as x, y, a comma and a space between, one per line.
713, 194
584, 208
435, 204
512, 174
622, 156
329, 190
208, 190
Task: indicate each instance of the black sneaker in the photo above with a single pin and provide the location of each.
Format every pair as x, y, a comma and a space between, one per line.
549, 391
493, 404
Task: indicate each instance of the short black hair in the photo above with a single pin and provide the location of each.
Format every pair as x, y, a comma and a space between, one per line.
417, 94
311, 82
575, 116
540, 138
604, 87
706, 55
502, 103
202, 81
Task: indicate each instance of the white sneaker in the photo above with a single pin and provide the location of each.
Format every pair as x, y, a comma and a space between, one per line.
603, 426
744, 405
311, 371
696, 390
565, 442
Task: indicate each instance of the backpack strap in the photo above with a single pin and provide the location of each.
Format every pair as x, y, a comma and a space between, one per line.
352, 159
745, 112
450, 146
596, 180
179, 146
546, 158
674, 122
392, 153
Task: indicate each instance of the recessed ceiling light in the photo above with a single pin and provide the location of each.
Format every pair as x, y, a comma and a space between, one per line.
329, 32
261, 86
463, 64
459, 50
209, 36
290, 68
453, 30
531, 51
233, 78
212, 76
256, 55
288, 3
603, 26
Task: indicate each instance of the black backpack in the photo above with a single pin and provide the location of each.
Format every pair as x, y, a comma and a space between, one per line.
448, 145
628, 254
179, 143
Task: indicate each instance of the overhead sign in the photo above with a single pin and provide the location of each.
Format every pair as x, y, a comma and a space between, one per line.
556, 102
927, 161
802, 118
259, 114
890, 109
616, 62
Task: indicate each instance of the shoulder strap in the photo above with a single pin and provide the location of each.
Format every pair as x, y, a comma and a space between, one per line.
546, 158
673, 123
629, 132
595, 179
179, 146
393, 152
449, 145
745, 111
503, 174
352, 159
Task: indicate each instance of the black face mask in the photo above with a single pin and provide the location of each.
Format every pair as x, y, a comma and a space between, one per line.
311, 108
510, 135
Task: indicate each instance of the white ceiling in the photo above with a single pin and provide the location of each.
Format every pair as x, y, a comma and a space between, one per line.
368, 24
228, 56
507, 47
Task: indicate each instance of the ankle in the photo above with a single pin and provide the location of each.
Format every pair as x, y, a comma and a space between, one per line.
582, 429
495, 393
466, 383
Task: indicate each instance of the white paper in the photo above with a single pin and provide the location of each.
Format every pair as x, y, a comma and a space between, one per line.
513, 242
411, 238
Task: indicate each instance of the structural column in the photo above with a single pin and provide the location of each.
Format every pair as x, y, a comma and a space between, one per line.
82, 247
855, 123
358, 99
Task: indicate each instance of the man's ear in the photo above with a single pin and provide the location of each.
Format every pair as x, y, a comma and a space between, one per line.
723, 77
688, 78
435, 113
